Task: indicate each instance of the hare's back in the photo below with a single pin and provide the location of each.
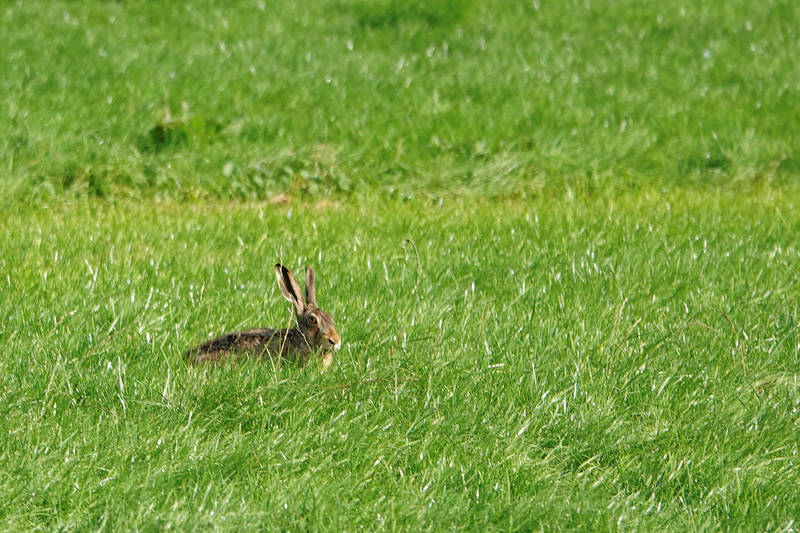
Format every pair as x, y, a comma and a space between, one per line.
251, 341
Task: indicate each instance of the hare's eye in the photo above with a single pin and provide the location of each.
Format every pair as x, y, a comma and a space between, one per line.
312, 320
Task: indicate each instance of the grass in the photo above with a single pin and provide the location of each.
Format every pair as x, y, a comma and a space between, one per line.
600, 363
559, 242
254, 99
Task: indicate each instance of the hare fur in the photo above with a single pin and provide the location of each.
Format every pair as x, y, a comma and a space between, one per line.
314, 332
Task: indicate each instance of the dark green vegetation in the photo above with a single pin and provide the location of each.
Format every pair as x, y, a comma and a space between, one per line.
559, 242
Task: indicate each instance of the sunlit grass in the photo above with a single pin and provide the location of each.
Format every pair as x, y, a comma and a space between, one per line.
594, 363
559, 241
259, 98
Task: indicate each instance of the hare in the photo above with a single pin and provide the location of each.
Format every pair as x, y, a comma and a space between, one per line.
314, 332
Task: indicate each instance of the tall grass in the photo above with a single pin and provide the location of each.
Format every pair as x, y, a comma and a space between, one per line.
600, 363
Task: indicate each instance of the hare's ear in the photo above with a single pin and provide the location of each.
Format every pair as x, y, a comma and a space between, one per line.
289, 288
311, 295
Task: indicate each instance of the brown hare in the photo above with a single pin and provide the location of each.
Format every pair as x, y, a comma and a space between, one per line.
313, 334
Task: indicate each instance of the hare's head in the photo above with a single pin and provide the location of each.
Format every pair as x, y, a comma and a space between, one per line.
315, 324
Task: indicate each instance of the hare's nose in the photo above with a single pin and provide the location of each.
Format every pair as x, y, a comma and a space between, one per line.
336, 344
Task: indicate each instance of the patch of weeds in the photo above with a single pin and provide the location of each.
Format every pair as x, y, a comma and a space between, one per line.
477, 150
313, 172
85, 179
169, 133
393, 13
710, 161
163, 136
789, 166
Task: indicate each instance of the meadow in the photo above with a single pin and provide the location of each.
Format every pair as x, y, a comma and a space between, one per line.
559, 243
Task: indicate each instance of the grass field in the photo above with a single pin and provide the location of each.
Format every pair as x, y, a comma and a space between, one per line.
559, 242
191, 100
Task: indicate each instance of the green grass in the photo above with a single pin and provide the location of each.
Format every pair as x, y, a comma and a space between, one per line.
559, 241
257, 98
600, 363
